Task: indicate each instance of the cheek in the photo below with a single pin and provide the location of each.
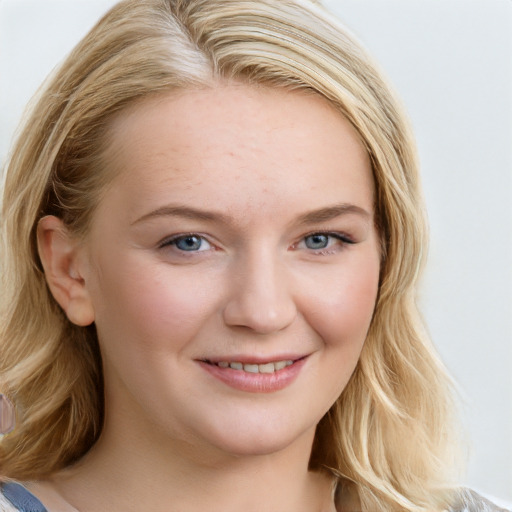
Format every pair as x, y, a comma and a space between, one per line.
341, 316
342, 309
151, 306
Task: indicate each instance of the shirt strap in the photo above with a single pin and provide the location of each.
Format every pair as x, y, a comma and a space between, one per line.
21, 498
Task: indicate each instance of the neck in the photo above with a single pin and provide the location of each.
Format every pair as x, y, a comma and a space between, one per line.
165, 476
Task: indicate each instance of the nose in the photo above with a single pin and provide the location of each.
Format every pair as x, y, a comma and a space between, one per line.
261, 298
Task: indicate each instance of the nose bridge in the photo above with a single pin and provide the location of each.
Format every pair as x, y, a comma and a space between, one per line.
261, 298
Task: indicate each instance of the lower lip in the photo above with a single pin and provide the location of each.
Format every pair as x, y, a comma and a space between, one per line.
255, 382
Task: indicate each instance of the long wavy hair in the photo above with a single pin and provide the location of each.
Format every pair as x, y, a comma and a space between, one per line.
388, 438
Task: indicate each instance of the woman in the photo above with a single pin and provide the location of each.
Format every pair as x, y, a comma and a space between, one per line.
212, 233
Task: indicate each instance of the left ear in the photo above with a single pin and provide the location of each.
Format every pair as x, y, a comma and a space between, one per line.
61, 257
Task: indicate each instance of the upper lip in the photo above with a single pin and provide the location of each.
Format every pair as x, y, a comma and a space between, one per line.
252, 359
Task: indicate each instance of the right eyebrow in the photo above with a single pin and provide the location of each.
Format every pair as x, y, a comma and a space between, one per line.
185, 212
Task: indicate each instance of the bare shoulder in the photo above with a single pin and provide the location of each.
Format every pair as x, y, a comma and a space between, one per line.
470, 501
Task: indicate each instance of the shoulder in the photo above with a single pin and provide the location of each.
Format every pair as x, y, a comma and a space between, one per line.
15, 498
470, 501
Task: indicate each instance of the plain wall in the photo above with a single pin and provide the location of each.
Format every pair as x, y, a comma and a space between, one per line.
451, 62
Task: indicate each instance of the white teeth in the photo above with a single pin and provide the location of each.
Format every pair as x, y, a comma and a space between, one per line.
256, 368
267, 368
280, 365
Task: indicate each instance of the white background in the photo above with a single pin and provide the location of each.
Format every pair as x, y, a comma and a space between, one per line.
451, 62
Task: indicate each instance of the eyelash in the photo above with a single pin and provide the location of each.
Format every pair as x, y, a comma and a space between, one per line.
343, 238
172, 241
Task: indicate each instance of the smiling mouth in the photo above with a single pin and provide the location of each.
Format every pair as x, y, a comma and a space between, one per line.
270, 367
255, 375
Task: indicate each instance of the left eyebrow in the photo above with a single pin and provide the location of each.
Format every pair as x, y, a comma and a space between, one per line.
331, 212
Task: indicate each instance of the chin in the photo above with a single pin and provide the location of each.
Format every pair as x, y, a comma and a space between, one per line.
246, 440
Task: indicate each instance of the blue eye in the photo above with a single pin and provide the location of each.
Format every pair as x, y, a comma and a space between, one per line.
321, 241
188, 243
317, 241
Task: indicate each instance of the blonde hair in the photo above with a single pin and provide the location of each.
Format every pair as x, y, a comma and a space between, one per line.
388, 437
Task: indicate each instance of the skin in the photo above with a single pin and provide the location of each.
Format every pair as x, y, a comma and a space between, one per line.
263, 170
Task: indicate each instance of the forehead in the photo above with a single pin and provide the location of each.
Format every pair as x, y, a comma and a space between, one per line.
238, 141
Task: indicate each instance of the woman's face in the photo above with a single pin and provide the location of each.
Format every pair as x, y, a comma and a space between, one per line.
232, 266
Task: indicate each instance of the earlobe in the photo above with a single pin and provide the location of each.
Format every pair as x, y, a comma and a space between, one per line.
60, 256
